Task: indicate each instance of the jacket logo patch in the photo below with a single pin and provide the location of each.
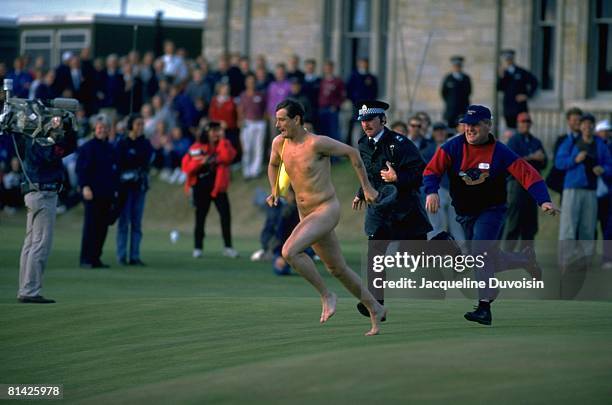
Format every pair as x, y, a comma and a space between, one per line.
473, 177
484, 166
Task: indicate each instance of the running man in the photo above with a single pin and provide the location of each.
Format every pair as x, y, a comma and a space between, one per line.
306, 158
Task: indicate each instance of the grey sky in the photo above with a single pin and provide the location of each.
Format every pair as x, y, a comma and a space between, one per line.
184, 9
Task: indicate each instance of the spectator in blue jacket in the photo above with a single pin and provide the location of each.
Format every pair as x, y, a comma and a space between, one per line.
584, 159
21, 79
134, 155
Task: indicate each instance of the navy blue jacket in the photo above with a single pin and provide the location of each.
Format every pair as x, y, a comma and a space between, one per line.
43, 164
361, 87
526, 144
113, 88
134, 160
519, 82
97, 168
456, 94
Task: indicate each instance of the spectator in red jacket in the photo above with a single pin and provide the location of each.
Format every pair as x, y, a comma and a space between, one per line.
223, 110
207, 166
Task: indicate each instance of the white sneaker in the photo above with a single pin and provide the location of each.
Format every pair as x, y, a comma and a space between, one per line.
607, 266
257, 255
230, 252
197, 253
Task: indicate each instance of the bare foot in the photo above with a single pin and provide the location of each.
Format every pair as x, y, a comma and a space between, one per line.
329, 306
376, 319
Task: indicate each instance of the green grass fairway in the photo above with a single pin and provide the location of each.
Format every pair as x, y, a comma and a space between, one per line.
217, 330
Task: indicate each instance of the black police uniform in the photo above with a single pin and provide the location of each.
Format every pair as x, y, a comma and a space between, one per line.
406, 219
519, 82
456, 95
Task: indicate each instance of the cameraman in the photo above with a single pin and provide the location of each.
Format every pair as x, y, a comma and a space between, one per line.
134, 155
44, 176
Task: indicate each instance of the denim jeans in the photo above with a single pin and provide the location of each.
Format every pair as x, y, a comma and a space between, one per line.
130, 223
329, 123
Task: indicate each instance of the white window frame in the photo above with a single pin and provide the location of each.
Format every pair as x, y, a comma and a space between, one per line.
40, 46
71, 44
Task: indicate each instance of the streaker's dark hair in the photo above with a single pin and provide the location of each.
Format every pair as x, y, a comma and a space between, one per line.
294, 108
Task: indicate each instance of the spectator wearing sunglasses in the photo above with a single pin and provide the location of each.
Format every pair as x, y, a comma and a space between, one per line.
426, 147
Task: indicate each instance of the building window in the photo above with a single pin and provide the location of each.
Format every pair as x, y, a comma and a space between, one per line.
601, 34
73, 40
35, 43
357, 33
364, 35
51, 44
544, 43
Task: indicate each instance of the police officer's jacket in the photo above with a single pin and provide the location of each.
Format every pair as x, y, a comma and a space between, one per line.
407, 212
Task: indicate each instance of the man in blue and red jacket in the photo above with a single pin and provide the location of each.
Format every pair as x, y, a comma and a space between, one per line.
477, 166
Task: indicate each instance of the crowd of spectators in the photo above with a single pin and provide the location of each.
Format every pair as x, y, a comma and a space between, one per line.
177, 96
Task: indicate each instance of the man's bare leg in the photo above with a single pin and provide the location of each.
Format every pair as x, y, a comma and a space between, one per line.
328, 249
306, 233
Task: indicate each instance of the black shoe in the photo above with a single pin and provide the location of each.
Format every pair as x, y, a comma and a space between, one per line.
364, 311
37, 299
123, 262
99, 265
137, 262
86, 266
482, 314
533, 268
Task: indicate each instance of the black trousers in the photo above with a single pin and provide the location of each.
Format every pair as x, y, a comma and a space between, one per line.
202, 202
521, 218
95, 228
377, 246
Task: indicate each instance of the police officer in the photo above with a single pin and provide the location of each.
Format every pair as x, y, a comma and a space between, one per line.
517, 84
44, 176
97, 174
389, 159
456, 90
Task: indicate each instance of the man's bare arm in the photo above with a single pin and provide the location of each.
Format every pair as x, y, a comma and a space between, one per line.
331, 147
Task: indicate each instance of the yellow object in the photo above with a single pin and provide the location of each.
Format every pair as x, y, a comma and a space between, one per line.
282, 179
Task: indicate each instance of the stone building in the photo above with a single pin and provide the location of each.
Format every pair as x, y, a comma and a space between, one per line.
567, 44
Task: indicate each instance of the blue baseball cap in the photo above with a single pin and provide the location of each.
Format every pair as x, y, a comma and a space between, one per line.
476, 113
